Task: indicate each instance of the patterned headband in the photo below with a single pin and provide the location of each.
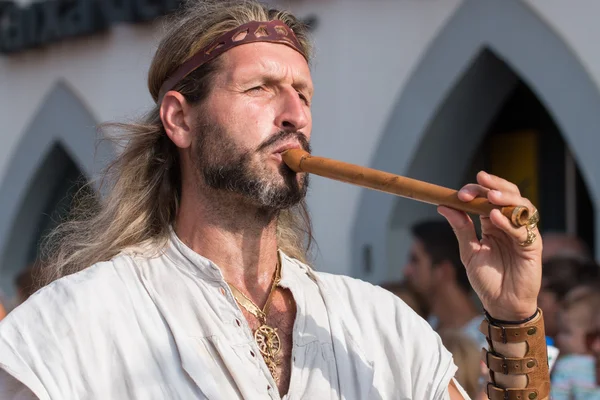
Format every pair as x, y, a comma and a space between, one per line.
274, 32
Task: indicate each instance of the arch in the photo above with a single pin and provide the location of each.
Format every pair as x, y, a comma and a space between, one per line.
529, 50
62, 133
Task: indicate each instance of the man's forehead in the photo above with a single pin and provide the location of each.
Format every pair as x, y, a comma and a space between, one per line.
274, 32
267, 59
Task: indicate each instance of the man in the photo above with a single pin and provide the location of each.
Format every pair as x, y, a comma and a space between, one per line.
435, 271
189, 283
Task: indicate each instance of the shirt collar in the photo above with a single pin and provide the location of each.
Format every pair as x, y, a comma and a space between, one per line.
184, 256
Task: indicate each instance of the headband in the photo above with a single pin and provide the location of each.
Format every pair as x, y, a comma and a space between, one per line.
274, 32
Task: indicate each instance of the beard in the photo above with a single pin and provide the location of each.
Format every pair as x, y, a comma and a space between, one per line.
228, 168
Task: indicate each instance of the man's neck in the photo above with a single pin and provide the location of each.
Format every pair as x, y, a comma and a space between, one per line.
241, 239
453, 307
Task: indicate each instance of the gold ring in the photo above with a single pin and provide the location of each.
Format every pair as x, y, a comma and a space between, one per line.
531, 236
534, 219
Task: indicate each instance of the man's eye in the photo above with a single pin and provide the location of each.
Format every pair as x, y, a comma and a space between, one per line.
304, 98
256, 89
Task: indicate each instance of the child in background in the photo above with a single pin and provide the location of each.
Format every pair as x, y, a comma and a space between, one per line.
593, 342
573, 377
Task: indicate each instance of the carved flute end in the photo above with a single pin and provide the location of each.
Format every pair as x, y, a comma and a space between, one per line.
518, 215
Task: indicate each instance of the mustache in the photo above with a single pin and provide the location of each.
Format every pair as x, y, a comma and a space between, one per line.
285, 135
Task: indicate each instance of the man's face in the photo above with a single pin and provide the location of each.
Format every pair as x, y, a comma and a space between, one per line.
258, 108
419, 270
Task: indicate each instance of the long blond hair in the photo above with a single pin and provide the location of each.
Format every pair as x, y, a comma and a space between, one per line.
143, 183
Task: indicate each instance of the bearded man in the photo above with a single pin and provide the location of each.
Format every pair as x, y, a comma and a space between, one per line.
190, 280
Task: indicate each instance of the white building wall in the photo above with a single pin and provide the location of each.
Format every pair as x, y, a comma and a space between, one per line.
576, 22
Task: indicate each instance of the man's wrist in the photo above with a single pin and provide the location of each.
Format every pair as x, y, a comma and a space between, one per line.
497, 321
511, 317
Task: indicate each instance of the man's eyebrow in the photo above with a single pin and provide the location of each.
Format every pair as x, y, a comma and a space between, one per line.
303, 86
272, 78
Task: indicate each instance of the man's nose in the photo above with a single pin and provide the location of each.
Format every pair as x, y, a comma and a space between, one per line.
294, 114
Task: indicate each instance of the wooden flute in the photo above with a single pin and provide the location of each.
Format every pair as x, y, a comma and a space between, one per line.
301, 161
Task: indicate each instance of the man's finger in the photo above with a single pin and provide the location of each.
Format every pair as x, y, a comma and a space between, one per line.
507, 199
471, 191
503, 223
464, 229
497, 183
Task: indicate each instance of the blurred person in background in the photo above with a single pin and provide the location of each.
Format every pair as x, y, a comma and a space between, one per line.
560, 275
410, 296
563, 245
573, 376
436, 273
593, 345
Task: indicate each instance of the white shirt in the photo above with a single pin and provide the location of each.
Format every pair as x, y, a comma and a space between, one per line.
168, 327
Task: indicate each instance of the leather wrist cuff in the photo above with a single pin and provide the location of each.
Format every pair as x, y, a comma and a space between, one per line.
508, 365
534, 364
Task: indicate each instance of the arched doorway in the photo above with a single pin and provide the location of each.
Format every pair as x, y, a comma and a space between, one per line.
460, 85
56, 155
524, 144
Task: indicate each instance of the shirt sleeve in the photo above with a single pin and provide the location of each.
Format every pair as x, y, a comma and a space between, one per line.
408, 357
460, 389
18, 380
415, 343
436, 368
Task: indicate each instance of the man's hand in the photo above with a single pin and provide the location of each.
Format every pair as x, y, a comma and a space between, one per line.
505, 275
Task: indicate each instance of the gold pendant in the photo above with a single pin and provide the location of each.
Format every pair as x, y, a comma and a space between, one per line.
269, 345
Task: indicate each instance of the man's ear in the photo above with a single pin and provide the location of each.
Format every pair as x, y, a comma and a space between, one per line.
177, 118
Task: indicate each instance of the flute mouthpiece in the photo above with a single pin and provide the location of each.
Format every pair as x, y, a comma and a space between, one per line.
293, 158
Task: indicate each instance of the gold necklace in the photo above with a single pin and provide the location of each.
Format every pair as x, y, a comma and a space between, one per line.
266, 336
